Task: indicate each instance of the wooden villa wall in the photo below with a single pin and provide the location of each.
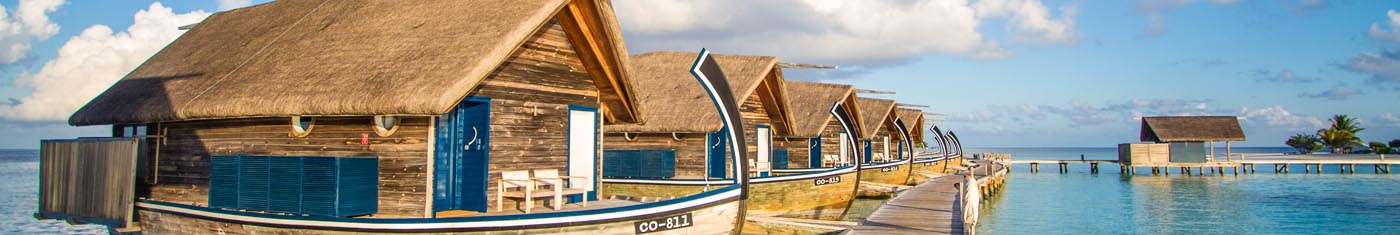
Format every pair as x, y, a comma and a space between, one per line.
753, 115
798, 152
831, 138
530, 97
878, 142
184, 158
690, 149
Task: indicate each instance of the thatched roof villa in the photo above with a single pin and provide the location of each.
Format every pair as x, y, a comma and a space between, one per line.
815, 127
877, 126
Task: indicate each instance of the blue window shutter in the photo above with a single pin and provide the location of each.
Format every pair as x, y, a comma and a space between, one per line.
223, 182
318, 188
284, 193
253, 181
780, 159
358, 186
653, 164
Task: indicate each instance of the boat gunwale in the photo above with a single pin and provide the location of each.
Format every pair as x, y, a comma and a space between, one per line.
472, 223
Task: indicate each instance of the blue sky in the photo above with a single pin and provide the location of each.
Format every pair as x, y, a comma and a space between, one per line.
1005, 72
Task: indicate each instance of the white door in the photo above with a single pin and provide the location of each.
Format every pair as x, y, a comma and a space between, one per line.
765, 148
845, 148
583, 147
887, 149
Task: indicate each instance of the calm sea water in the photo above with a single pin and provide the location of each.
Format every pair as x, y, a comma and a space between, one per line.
19, 187
1262, 203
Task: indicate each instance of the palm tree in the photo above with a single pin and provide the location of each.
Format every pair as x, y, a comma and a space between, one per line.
1304, 143
1341, 135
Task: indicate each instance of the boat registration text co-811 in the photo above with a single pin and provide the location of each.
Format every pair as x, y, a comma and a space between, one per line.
663, 224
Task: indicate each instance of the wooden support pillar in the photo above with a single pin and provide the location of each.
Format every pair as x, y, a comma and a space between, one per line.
1064, 168
1094, 167
1228, 153
1201, 169
1212, 151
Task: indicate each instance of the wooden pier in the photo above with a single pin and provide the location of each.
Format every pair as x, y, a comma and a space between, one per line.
933, 207
1347, 166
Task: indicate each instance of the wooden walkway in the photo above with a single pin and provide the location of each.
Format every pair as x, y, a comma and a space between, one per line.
930, 208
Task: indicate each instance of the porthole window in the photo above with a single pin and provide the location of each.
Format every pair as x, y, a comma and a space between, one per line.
385, 125
301, 126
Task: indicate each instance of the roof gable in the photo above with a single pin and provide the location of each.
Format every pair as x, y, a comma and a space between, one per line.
674, 102
1191, 128
812, 103
874, 114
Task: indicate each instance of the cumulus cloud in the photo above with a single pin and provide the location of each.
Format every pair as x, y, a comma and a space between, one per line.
1336, 93
1383, 66
848, 33
225, 5
29, 24
1277, 116
1390, 32
93, 60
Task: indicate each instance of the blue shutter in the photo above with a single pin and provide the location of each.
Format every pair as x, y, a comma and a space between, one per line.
814, 158
780, 159
318, 190
359, 186
869, 152
284, 194
253, 181
223, 182
652, 164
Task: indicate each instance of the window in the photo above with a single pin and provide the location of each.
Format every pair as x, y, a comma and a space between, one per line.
385, 125
301, 126
128, 130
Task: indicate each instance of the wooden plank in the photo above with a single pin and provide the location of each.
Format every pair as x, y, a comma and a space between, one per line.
929, 208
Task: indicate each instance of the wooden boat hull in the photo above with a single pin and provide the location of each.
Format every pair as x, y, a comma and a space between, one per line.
921, 170
821, 195
892, 173
715, 212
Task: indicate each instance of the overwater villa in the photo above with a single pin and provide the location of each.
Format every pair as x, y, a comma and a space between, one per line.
814, 127
1181, 140
678, 152
879, 164
311, 116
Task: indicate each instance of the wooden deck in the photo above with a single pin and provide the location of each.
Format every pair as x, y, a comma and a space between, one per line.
930, 208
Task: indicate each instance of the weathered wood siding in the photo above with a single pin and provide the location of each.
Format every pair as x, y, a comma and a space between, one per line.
753, 115
184, 158
831, 138
89, 179
530, 97
690, 149
798, 152
878, 143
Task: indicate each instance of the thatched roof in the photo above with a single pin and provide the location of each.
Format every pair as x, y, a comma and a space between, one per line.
914, 120
811, 105
873, 115
1191, 128
674, 101
344, 58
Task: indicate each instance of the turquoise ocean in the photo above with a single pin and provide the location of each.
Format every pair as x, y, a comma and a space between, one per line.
1260, 203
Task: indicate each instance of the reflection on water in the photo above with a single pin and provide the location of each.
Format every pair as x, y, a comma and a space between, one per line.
1265, 203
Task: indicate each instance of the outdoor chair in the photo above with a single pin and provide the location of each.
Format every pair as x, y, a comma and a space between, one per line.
561, 186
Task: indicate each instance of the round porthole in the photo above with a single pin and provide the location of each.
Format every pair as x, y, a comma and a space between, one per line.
385, 125
301, 126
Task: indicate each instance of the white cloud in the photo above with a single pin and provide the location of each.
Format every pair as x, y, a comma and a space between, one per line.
92, 61
225, 5
1031, 20
1277, 116
29, 24
1391, 32
841, 32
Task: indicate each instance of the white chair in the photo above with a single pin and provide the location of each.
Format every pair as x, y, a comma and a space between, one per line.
561, 186
518, 180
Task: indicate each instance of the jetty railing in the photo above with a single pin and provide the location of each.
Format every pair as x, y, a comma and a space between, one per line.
89, 180
972, 189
